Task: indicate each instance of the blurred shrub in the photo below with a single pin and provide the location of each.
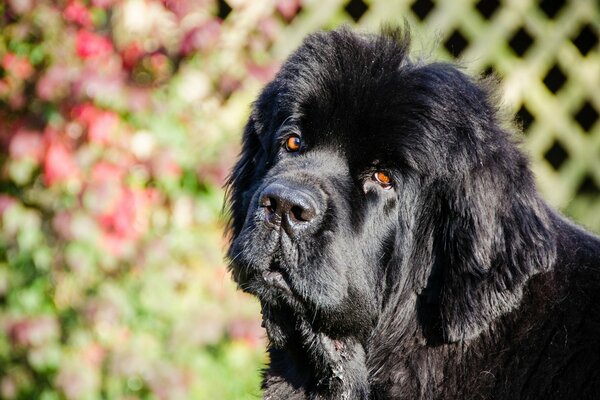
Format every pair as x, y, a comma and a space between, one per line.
116, 127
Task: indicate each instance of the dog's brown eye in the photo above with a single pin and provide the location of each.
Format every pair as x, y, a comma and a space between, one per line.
383, 179
293, 143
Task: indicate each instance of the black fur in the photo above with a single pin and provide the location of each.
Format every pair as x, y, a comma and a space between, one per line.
458, 282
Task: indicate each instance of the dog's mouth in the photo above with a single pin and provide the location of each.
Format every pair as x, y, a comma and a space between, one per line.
274, 278
276, 275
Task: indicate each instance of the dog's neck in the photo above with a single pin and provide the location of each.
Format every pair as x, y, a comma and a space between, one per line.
321, 367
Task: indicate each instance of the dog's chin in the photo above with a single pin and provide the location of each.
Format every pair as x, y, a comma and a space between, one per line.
257, 269
274, 280
273, 286
260, 259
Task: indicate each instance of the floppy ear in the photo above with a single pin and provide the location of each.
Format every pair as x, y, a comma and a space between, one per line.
242, 176
253, 156
495, 234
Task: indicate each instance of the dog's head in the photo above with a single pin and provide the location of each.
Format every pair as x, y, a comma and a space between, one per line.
367, 179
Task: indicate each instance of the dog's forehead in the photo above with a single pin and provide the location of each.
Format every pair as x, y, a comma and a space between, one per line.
353, 131
351, 114
342, 90
366, 98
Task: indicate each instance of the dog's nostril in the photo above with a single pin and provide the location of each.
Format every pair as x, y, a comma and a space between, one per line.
269, 203
271, 206
302, 214
296, 213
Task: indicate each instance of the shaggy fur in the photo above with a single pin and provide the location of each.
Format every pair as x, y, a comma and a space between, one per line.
456, 282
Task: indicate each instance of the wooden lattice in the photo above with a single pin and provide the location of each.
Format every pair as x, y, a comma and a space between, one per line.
546, 53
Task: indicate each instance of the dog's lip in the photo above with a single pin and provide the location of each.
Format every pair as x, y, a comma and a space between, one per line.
275, 279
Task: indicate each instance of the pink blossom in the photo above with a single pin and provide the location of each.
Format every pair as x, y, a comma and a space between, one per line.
120, 221
105, 187
100, 77
131, 55
9, 388
249, 331
160, 67
105, 172
54, 82
204, 37
123, 212
62, 224
90, 45
21, 6
33, 331
102, 311
229, 84
101, 124
76, 380
269, 27
84, 113
77, 12
165, 167
263, 73
94, 354
17, 100
6, 202
17, 66
27, 144
181, 8
123, 224
288, 8
159, 62
59, 164
139, 98
215, 173
102, 127
169, 382
104, 3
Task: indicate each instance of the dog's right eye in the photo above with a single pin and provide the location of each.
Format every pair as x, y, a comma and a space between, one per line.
293, 144
383, 178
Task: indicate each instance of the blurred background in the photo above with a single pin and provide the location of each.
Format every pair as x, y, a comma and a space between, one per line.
119, 121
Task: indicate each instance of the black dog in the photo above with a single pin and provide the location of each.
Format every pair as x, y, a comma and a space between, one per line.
391, 229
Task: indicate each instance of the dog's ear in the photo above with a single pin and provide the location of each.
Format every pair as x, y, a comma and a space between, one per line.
483, 229
493, 234
242, 175
253, 158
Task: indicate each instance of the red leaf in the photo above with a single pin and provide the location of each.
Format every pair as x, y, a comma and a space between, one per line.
59, 164
77, 12
90, 45
18, 66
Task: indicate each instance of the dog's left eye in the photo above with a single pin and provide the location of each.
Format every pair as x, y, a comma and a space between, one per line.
383, 178
293, 144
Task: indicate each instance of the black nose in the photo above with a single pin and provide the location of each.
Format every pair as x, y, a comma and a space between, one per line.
293, 209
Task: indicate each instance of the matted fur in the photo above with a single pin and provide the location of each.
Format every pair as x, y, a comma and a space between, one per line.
458, 282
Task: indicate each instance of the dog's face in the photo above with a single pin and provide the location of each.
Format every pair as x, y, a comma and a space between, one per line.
317, 230
320, 210
354, 159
